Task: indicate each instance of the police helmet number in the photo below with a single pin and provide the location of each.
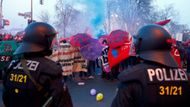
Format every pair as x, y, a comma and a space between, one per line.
170, 90
18, 78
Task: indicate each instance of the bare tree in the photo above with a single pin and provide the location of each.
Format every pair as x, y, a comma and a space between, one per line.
110, 7
175, 27
129, 17
128, 14
113, 20
44, 17
64, 16
167, 13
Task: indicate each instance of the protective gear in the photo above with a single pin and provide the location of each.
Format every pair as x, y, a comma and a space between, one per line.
150, 84
152, 44
38, 37
20, 91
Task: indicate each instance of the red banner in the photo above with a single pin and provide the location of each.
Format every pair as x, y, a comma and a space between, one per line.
176, 55
163, 22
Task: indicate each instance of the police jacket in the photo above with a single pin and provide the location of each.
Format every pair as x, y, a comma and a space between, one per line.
150, 84
20, 91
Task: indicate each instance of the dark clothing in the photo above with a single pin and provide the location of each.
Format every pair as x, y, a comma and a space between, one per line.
20, 91
129, 62
115, 71
184, 54
188, 59
152, 85
91, 67
182, 50
82, 74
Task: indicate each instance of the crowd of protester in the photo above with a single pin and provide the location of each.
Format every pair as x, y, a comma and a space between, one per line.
96, 67
8, 37
70, 63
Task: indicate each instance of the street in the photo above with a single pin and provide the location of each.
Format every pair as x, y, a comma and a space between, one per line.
81, 94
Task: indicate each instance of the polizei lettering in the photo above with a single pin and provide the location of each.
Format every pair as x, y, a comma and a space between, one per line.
160, 74
32, 65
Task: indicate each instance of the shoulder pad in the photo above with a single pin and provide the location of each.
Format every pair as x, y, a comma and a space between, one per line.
50, 67
134, 73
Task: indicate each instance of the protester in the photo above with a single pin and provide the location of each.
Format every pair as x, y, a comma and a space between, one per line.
32, 80
63, 56
182, 52
105, 68
91, 69
156, 81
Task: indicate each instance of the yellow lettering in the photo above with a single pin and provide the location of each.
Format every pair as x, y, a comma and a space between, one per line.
162, 92
18, 78
170, 90
175, 90
25, 78
180, 90
167, 90
12, 77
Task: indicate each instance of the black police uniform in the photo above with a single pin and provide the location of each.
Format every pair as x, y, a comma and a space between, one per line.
152, 85
33, 80
156, 81
20, 91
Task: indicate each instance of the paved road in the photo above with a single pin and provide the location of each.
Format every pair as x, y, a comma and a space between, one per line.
81, 94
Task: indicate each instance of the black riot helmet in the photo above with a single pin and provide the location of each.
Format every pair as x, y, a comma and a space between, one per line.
153, 43
38, 37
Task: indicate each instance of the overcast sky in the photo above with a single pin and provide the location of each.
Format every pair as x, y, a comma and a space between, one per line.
181, 6
11, 8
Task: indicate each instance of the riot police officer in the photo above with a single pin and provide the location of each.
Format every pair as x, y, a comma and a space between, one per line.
156, 81
32, 80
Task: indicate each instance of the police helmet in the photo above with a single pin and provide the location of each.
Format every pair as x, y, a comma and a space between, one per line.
152, 44
38, 37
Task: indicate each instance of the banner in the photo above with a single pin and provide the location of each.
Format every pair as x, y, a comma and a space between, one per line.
104, 59
79, 64
176, 55
7, 49
70, 59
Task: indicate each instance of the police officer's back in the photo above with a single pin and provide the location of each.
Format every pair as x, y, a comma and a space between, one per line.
156, 81
32, 80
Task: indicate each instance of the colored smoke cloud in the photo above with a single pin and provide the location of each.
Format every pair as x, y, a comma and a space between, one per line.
94, 10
